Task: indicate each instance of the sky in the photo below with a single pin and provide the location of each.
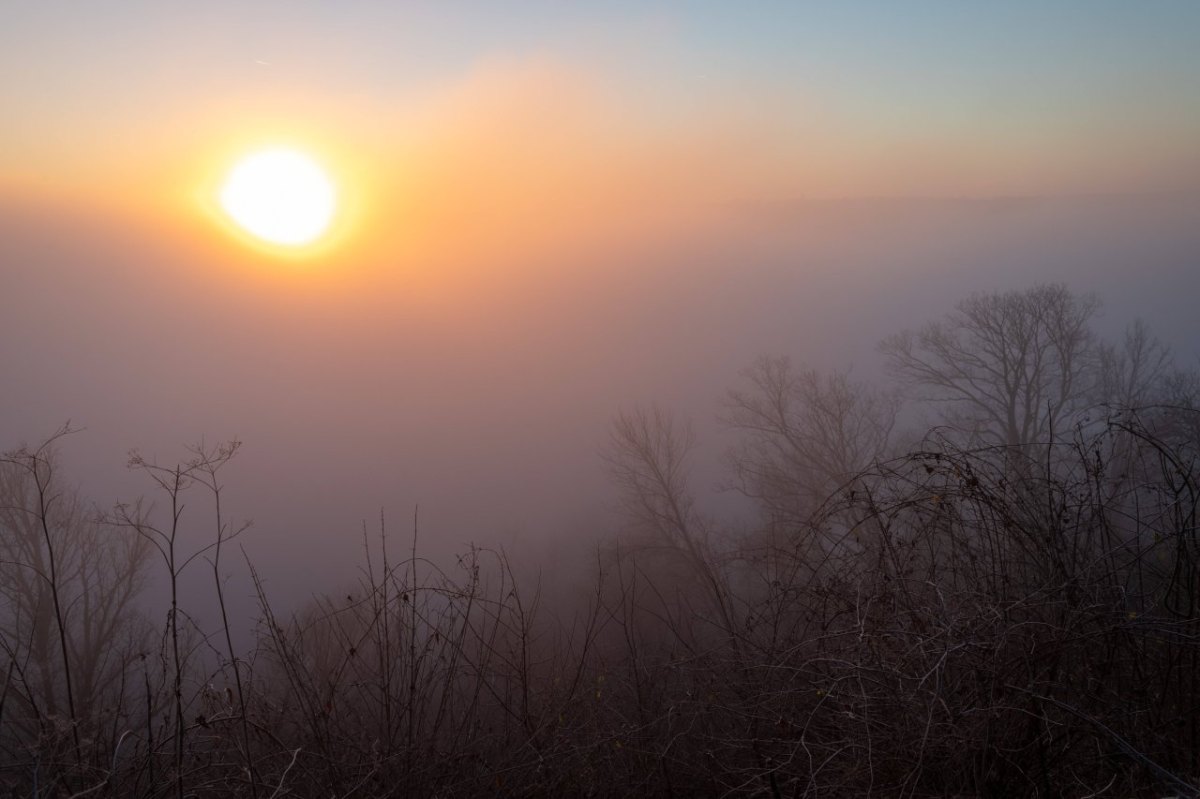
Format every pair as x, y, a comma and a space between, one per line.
548, 211
779, 99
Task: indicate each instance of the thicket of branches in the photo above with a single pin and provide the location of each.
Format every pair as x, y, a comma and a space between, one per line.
1004, 606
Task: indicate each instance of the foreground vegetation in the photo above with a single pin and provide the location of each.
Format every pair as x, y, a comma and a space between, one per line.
1006, 605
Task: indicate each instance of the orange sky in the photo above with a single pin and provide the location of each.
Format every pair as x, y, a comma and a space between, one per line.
591, 128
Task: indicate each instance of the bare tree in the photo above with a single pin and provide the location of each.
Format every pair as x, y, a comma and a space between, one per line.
648, 460
167, 537
805, 435
68, 586
1009, 367
1178, 401
1134, 373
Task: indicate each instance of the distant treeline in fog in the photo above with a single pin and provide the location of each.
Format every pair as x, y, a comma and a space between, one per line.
980, 578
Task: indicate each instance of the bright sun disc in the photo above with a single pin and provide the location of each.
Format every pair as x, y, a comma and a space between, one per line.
280, 196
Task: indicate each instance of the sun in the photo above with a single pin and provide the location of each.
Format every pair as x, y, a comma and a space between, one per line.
280, 196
